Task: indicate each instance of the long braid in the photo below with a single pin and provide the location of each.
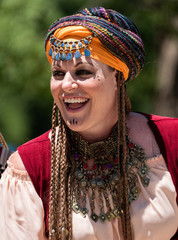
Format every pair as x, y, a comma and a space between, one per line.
57, 202
128, 106
51, 217
59, 145
62, 188
70, 180
58, 186
119, 143
126, 223
69, 207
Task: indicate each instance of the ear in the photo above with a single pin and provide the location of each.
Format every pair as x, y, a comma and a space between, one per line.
115, 73
118, 77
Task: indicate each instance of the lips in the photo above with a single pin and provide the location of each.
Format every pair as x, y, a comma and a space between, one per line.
75, 103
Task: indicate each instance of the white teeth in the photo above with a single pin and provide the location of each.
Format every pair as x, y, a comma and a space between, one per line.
75, 100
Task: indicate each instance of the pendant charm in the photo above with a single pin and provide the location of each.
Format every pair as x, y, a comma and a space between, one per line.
94, 217
76, 208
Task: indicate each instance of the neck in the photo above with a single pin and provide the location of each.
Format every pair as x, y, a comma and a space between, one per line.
102, 133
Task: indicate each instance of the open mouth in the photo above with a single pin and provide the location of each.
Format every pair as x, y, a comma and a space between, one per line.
75, 103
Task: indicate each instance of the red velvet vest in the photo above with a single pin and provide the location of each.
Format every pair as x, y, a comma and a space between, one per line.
36, 155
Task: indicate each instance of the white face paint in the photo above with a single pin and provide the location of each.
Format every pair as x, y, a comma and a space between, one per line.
85, 91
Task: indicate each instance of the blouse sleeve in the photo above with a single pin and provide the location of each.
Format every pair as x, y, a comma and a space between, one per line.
21, 209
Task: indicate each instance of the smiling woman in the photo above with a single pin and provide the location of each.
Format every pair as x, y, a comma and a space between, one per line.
85, 91
102, 172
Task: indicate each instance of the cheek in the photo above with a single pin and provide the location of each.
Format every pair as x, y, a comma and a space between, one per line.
55, 87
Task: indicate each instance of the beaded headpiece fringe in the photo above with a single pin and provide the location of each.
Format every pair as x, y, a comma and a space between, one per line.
62, 50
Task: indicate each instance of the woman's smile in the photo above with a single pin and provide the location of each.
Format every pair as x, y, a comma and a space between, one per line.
74, 104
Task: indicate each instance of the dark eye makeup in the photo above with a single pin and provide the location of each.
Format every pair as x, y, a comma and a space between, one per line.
83, 72
57, 73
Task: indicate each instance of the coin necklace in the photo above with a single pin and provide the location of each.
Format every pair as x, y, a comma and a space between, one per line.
101, 179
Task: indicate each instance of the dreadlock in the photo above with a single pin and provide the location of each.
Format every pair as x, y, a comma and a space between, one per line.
59, 211
123, 190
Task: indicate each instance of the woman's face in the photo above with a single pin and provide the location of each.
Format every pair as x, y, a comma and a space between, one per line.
85, 91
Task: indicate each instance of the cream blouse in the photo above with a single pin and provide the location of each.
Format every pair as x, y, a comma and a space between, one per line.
154, 215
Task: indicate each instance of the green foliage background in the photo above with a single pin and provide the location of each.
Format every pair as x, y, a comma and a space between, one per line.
25, 99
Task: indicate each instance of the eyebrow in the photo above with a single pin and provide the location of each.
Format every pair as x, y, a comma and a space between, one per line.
58, 64
76, 65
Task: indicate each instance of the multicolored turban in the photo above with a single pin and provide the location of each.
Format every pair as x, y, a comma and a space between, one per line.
116, 40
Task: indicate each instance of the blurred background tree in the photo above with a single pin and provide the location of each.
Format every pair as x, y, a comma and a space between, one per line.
25, 99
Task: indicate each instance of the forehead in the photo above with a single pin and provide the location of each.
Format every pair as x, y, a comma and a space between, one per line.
79, 62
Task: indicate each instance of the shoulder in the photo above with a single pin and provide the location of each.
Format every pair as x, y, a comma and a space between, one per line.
16, 161
166, 127
28, 150
138, 123
161, 120
148, 121
42, 138
141, 133
148, 129
37, 143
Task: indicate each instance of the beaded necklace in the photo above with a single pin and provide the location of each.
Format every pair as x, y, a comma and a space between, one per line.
100, 179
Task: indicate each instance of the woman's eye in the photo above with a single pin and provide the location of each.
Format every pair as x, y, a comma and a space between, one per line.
58, 73
83, 72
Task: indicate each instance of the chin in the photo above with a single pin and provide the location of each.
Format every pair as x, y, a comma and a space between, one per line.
73, 124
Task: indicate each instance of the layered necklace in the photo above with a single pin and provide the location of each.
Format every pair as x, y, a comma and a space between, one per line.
97, 183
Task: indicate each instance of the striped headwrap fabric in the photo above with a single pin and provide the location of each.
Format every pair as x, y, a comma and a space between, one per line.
117, 33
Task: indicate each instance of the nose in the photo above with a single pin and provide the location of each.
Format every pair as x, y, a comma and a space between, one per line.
69, 83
